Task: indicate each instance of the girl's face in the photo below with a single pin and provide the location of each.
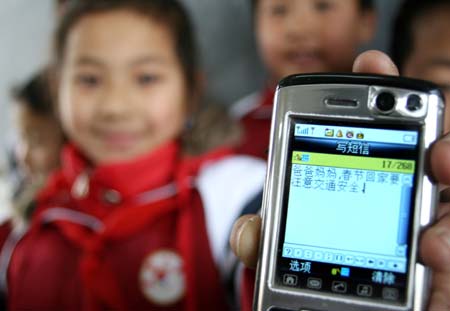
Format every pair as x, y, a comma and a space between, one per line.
122, 88
310, 35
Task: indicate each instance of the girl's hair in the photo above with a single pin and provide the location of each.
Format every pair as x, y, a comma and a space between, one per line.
169, 12
35, 94
402, 42
364, 4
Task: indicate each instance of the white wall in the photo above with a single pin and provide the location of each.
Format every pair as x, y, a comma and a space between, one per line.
25, 26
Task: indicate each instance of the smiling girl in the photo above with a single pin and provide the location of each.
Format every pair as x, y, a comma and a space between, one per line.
137, 218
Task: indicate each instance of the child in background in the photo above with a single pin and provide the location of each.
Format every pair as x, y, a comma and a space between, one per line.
300, 37
40, 140
36, 155
138, 216
421, 43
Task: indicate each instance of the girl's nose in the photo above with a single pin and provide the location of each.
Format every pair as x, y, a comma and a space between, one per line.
301, 24
114, 102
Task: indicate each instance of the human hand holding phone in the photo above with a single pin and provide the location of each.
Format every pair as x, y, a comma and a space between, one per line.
434, 248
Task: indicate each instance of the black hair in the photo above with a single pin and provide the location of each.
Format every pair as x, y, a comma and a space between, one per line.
169, 12
402, 42
364, 4
35, 94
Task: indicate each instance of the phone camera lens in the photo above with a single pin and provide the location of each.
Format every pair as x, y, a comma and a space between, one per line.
385, 102
414, 103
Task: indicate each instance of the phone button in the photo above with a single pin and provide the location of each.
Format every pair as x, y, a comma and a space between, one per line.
290, 280
364, 290
390, 293
339, 287
314, 283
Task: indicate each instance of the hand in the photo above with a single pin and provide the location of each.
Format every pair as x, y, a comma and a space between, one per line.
435, 242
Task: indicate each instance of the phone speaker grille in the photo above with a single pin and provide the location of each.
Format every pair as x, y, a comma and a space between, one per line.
339, 102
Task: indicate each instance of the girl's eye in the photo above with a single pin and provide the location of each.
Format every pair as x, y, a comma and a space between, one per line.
146, 79
323, 6
88, 80
279, 10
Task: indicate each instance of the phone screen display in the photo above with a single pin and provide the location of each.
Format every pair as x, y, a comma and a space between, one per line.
348, 208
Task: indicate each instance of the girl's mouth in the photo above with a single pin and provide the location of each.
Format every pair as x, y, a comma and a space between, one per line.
303, 59
118, 140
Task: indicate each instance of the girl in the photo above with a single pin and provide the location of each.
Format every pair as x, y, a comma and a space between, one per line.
136, 219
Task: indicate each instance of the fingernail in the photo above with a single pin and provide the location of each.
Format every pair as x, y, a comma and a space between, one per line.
242, 241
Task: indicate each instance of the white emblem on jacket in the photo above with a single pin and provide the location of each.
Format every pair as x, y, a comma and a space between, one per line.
162, 278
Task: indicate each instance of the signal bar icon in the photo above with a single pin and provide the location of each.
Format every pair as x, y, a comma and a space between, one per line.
304, 131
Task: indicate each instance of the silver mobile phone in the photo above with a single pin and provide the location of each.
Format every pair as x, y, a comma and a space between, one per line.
347, 194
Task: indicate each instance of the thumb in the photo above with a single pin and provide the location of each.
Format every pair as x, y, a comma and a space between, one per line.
244, 240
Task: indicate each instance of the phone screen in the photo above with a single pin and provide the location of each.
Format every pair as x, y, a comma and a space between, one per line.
348, 206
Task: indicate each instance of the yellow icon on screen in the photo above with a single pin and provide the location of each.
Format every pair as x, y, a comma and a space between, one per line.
329, 132
335, 271
360, 136
339, 134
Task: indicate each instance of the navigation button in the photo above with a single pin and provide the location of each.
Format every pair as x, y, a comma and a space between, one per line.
314, 283
290, 280
339, 287
364, 290
390, 293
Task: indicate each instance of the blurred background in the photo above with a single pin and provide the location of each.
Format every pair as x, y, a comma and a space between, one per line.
224, 34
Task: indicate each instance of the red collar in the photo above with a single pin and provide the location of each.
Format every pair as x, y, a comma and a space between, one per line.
128, 178
120, 184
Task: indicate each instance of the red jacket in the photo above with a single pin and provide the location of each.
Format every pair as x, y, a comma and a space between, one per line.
255, 115
130, 236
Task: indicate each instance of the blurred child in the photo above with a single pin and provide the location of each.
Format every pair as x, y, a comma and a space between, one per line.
421, 43
300, 37
60, 6
40, 137
138, 217
36, 154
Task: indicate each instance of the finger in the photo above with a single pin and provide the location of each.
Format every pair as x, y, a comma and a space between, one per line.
444, 211
435, 246
440, 292
440, 161
244, 239
375, 62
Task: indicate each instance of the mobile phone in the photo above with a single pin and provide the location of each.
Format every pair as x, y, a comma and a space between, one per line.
347, 194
